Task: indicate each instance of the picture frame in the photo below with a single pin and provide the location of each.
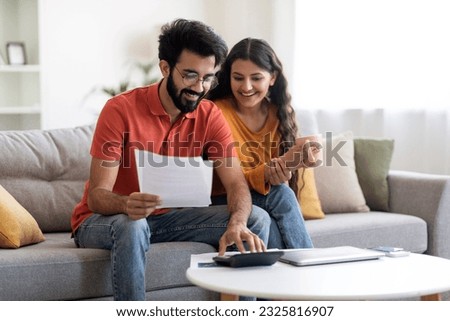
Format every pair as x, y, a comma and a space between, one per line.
16, 53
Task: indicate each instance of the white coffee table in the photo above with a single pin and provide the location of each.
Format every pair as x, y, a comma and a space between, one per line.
386, 278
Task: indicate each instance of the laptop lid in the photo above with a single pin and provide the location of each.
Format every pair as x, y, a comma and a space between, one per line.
339, 254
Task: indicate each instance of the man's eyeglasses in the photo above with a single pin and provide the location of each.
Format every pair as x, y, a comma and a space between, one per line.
192, 78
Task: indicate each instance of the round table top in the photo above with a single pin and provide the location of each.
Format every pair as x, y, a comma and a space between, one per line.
384, 278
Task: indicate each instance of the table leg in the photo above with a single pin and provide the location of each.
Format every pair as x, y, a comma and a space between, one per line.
431, 297
229, 297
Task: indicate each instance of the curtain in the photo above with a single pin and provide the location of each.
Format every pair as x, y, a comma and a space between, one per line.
380, 69
421, 136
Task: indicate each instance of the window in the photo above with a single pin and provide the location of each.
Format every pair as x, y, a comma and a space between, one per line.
372, 54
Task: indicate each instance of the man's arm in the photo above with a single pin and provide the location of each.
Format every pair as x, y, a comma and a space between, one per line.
239, 206
102, 199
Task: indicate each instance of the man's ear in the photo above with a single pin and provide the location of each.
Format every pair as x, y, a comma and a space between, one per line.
165, 68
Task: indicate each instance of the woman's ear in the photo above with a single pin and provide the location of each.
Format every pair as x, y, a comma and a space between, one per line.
165, 68
273, 78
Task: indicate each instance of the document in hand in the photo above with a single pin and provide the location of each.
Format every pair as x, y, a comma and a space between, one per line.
179, 181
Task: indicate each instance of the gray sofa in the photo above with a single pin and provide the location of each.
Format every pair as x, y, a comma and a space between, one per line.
46, 170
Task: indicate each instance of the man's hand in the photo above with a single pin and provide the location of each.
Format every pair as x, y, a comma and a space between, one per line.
141, 205
237, 234
240, 207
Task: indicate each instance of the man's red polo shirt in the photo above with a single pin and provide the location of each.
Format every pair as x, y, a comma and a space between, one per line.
137, 119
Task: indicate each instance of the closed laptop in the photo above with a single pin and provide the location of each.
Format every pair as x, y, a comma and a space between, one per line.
339, 254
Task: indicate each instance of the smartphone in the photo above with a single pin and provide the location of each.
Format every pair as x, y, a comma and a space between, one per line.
387, 249
398, 253
392, 251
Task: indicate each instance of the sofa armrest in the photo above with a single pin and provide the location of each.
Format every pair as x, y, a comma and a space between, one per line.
426, 196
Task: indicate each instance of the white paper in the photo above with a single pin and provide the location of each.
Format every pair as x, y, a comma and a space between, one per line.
179, 181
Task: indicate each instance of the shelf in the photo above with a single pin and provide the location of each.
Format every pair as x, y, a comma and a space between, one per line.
18, 110
20, 85
19, 68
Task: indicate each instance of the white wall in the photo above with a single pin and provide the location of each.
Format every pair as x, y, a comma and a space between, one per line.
86, 44
372, 55
272, 20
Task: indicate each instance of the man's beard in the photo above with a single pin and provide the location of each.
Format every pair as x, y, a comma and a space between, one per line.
188, 105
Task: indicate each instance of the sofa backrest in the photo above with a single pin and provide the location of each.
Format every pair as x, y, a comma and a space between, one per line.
45, 171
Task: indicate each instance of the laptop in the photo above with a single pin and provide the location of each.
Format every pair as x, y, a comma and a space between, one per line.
328, 255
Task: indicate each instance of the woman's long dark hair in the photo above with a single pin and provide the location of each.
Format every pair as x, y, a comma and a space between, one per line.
261, 54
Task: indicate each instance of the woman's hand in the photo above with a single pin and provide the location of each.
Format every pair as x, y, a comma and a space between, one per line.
277, 173
302, 155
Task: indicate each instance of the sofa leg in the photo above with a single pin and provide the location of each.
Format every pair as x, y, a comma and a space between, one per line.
228, 297
431, 297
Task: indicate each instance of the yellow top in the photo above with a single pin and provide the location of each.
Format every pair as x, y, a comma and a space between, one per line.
254, 149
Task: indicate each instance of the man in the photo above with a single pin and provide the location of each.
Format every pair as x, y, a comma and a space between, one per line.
169, 118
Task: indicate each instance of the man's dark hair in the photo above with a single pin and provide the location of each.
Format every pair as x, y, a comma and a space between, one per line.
191, 35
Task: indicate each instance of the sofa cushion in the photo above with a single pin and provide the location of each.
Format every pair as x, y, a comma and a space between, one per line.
45, 171
17, 226
337, 183
57, 270
372, 160
307, 195
370, 230
307, 190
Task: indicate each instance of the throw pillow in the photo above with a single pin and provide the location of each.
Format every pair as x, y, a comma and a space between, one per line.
337, 182
373, 160
17, 226
307, 195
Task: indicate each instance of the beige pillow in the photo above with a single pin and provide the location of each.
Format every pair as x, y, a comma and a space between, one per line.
336, 180
17, 226
307, 195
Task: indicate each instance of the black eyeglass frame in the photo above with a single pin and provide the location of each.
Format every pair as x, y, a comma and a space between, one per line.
192, 78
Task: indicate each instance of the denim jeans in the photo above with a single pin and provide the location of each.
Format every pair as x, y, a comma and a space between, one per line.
129, 240
287, 228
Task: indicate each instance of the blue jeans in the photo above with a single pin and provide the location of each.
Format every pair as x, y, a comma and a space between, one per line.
129, 240
287, 228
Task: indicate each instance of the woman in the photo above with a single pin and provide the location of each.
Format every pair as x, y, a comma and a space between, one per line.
253, 97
